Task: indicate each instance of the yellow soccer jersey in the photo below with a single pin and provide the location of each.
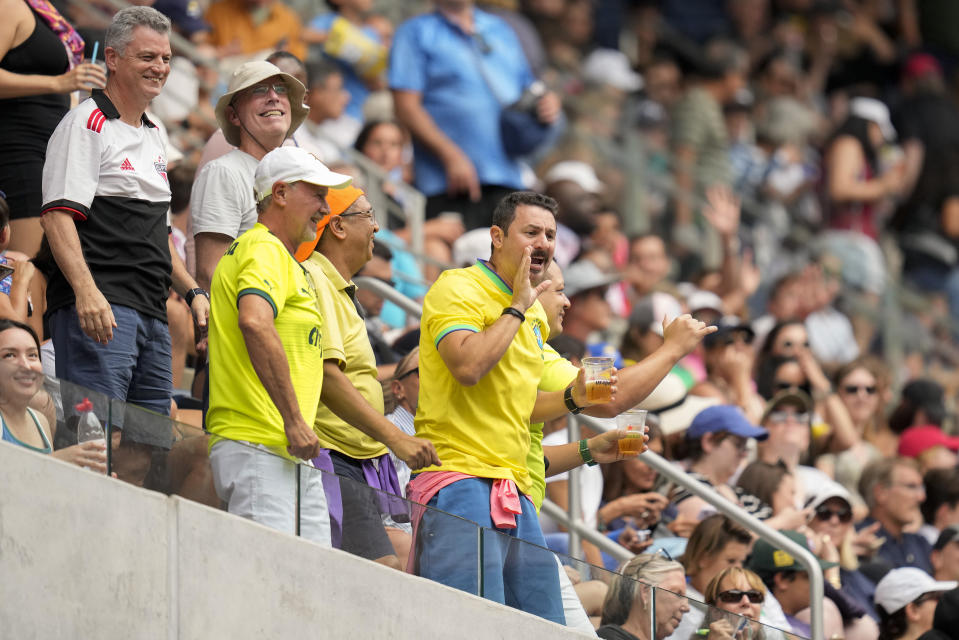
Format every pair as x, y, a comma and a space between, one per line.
257, 263
344, 340
558, 373
482, 430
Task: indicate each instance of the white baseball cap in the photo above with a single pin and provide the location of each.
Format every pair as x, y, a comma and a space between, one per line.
899, 587
611, 67
575, 171
874, 111
293, 164
822, 491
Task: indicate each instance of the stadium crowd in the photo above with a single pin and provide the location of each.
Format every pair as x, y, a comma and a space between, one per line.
749, 207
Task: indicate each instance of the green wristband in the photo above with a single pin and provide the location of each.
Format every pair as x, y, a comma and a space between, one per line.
585, 454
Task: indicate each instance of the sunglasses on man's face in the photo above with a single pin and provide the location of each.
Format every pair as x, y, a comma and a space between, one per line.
732, 596
825, 514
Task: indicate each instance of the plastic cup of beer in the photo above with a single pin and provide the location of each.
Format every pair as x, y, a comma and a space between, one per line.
633, 421
599, 374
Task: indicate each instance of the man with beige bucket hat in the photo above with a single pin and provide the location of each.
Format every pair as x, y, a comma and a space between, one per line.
261, 108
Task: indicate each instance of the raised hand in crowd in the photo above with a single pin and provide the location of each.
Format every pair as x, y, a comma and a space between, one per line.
722, 211
684, 333
524, 293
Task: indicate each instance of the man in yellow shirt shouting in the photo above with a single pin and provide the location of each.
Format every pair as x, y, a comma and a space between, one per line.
481, 359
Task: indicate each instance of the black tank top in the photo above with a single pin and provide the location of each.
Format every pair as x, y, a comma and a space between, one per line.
27, 122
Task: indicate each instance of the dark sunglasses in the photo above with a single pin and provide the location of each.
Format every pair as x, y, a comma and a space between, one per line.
825, 514
856, 388
735, 595
744, 336
409, 373
782, 385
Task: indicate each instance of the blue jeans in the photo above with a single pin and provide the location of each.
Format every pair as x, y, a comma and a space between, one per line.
514, 573
134, 366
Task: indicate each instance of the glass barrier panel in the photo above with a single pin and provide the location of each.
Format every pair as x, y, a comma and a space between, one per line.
181, 467
397, 532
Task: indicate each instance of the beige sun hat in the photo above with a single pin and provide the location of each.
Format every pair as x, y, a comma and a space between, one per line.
249, 74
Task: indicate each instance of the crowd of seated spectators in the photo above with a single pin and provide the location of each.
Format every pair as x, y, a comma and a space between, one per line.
786, 170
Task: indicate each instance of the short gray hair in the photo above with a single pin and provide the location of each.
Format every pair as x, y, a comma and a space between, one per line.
120, 32
264, 204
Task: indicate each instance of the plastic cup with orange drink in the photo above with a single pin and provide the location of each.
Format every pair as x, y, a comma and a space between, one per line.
633, 421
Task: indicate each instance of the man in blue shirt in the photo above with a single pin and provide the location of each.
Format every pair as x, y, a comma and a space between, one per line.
451, 72
893, 490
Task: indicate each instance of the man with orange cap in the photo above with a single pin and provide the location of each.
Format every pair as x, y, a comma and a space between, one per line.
349, 419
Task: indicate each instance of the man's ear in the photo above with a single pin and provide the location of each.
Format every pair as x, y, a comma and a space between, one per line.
280, 191
497, 235
110, 57
231, 115
337, 227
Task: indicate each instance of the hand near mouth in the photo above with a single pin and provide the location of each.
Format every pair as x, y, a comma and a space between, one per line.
524, 294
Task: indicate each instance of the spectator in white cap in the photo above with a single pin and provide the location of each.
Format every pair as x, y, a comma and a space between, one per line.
589, 313
576, 188
266, 362
262, 106
838, 541
611, 68
906, 599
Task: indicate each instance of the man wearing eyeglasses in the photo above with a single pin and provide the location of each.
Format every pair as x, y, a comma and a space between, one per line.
349, 419
261, 108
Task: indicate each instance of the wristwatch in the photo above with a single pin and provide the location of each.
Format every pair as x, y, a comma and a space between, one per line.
193, 293
570, 403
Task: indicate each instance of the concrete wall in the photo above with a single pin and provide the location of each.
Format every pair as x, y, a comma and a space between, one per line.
84, 556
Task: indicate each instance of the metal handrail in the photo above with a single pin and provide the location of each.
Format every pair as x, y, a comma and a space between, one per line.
737, 514
606, 545
384, 290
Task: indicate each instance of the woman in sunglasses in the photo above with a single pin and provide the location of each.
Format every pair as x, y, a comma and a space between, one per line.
741, 592
837, 541
860, 386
